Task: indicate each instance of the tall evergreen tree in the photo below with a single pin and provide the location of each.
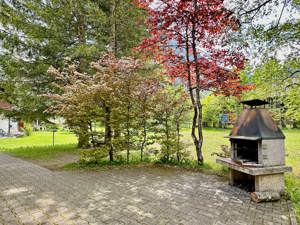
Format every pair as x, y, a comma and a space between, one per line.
35, 34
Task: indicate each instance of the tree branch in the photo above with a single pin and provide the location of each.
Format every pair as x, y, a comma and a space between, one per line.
256, 8
284, 5
292, 74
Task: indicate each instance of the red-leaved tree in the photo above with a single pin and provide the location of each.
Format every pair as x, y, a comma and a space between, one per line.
189, 37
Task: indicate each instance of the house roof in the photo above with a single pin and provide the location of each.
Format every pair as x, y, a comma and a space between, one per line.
5, 106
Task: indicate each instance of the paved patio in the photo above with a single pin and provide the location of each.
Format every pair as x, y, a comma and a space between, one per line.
30, 194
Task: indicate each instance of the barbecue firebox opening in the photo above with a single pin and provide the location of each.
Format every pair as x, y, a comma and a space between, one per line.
245, 150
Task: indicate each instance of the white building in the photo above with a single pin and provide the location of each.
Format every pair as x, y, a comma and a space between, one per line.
8, 126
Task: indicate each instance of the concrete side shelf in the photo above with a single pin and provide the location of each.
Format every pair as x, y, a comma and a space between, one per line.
254, 171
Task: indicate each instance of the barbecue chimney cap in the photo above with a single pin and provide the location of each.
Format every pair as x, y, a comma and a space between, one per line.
255, 102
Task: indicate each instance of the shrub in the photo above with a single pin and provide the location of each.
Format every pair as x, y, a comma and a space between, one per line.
27, 129
93, 156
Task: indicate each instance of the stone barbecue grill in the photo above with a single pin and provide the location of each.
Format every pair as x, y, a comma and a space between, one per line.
257, 151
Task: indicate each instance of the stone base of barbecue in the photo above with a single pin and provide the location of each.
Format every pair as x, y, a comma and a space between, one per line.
260, 183
272, 182
261, 178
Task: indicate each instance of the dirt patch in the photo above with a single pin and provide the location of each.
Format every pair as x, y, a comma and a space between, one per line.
56, 163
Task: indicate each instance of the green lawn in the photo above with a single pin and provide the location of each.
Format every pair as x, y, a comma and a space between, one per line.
39, 145
213, 138
40, 138
293, 159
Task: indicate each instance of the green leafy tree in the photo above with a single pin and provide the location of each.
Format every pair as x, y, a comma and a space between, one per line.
146, 103
169, 114
108, 95
278, 81
214, 105
125, 25
269, 28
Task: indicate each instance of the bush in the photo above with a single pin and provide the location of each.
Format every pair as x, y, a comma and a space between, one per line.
93, 156
27, 129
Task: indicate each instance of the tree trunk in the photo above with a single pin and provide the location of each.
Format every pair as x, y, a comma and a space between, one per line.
194, 122
113, 25
108, 132
195, 95
128, 132
81, 36
282, 122
144, 138
198, 89
9, 126
144, 125
92, 135
178, 140
167, 137
83, 140
80, 31
200, 131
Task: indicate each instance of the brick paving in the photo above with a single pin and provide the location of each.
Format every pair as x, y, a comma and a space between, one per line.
32, 195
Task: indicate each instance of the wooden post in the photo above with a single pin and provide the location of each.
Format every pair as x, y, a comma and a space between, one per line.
53, 136
9, 128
